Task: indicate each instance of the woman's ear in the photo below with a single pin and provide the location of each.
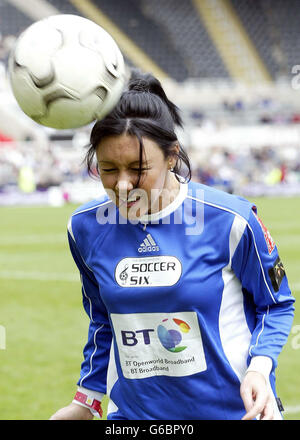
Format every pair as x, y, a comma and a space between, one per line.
174, 155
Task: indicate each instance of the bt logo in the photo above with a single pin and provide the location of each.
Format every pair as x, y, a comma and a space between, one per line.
167, 335
170, 339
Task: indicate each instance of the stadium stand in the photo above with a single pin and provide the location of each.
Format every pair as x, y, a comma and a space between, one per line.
12, 20
189, 37
148, 35
64, 6
173, 34
273, 26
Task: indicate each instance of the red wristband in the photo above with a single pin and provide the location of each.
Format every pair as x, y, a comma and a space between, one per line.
88, 401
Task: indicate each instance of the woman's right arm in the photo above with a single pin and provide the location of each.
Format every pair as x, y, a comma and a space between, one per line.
96, 351
73, 412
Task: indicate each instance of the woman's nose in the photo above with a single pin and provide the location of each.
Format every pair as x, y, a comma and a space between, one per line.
124, 184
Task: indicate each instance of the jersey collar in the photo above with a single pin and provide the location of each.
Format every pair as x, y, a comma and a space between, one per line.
148, 218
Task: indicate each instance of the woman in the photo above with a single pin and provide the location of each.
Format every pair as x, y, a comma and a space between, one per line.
188, 301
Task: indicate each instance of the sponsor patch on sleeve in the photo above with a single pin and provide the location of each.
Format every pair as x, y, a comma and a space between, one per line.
276, 274
269, 240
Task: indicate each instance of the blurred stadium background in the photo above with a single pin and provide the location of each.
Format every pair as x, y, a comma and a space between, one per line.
233, 67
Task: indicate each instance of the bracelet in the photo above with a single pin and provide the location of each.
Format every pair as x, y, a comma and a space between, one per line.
89, 402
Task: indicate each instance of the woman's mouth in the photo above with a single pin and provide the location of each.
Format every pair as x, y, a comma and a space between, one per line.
131, 201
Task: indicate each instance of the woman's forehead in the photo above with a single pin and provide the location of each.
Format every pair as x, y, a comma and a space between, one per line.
126, 148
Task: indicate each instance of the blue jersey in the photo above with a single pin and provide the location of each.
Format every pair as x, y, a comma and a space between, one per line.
179, 303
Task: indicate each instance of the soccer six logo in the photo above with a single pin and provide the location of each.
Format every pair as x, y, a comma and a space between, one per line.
162, 270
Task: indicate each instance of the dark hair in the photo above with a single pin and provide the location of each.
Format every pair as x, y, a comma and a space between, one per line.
142, 111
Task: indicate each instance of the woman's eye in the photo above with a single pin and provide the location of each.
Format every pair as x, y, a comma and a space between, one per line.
137, 169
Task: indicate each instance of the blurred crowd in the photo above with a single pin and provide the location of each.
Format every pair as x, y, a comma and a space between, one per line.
25, 167
239, 171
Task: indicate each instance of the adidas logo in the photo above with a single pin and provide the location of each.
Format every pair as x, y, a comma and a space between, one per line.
148, 245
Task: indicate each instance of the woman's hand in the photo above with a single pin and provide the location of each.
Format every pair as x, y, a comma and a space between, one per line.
257, 397
73, 412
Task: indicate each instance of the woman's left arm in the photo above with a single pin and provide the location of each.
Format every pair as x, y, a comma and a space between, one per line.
257, 264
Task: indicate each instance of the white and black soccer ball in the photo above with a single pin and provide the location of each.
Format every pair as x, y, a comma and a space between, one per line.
66, 71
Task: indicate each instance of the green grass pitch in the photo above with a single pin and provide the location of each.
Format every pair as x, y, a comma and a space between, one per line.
43, 326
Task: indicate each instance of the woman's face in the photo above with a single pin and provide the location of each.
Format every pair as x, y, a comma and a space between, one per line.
118, 162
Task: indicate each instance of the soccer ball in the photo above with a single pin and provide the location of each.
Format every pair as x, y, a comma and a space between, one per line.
66, 71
